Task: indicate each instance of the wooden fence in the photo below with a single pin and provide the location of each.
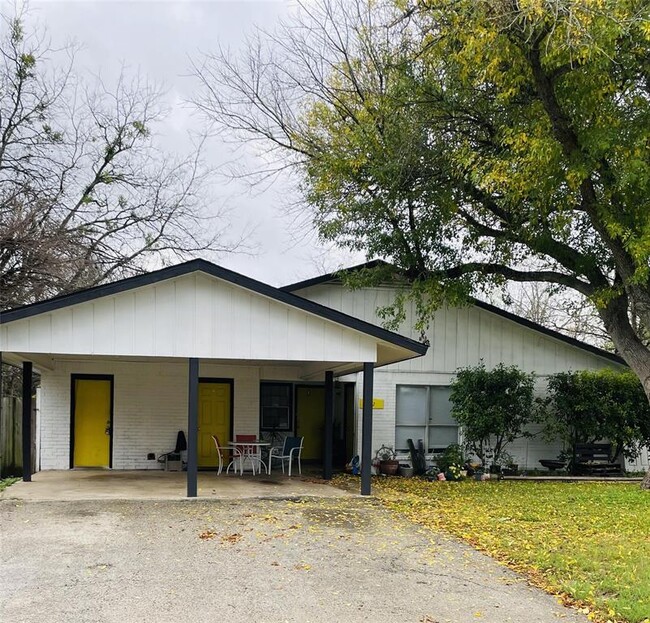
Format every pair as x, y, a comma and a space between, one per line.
11, 437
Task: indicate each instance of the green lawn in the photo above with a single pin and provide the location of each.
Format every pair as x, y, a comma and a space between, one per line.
588, 542
7, 482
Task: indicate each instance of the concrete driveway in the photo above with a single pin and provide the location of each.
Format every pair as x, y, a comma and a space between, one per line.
97, 484
312, 560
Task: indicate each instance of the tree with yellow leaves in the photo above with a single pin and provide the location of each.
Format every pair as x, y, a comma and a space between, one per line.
468, 142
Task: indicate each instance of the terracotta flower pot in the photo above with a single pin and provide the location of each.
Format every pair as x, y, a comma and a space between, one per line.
389, 467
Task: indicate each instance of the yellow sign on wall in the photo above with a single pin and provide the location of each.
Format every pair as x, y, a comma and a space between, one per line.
377, 403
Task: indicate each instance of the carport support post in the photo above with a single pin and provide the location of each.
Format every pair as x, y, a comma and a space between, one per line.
366, 428
27, 421
192, 427
329, 425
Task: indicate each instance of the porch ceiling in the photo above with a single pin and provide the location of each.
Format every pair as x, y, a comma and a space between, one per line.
307, 370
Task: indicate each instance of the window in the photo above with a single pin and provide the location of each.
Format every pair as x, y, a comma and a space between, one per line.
275, 406
424, 413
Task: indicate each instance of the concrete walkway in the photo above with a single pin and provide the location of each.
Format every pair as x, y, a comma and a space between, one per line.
71, 485
316, 560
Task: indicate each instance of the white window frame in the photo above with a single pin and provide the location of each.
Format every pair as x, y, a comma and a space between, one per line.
427, 424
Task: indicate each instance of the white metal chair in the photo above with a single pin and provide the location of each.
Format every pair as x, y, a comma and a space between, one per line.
291, 449
220, 454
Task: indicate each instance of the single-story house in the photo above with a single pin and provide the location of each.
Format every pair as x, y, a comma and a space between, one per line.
194, 347
199, 348
412, 397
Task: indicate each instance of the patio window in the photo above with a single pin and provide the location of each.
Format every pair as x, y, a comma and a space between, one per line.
424, 412
275, 406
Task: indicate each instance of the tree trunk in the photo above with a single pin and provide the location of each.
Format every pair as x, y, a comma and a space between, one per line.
646, 481
631, 348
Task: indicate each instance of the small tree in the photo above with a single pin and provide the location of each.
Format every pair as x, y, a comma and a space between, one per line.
587, 406
492, 407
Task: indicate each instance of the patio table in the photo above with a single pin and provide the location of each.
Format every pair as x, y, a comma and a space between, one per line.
251, 450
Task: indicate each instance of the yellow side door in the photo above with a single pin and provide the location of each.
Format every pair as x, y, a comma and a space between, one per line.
92, 423
310, 420
214, 419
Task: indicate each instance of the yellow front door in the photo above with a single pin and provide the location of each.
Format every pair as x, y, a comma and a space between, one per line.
310, 420
214, 419
92, 423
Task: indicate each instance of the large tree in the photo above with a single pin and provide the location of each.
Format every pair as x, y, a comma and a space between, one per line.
469, 142
86, 195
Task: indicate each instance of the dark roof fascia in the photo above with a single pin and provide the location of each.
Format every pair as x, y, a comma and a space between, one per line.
335, 276
529, 324
549, 332
209, 268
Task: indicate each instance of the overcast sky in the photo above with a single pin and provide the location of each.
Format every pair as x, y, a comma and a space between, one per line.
158, 39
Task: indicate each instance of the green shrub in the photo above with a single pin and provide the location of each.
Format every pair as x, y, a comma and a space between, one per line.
492, 407
588, 406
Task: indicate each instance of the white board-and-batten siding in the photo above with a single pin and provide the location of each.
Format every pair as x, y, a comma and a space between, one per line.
460, 337
150, 406
195, 315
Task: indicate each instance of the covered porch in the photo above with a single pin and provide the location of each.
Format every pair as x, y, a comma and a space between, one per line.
151, 350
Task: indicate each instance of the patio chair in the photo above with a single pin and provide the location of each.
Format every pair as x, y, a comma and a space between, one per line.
291, 449
173, 461
221, 454
252, 453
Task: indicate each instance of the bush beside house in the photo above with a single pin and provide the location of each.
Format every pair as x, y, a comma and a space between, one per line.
589, 406
493, 408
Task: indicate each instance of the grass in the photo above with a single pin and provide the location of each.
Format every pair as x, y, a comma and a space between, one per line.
7, 482
589, 543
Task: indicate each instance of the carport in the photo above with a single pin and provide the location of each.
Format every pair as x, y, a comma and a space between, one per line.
133, 357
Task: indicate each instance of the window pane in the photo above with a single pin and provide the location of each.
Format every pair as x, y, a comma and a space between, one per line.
441, 407
442, 436
402, 433
411, 405
275, 406
275, 418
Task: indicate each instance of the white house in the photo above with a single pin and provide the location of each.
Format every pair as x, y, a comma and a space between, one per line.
199, 348
411, 397
193, 347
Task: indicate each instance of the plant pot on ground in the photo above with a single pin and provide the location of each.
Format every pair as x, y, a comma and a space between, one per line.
388, 464
389, 467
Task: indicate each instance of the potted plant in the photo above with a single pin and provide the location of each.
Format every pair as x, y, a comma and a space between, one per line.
387, 463
451, 462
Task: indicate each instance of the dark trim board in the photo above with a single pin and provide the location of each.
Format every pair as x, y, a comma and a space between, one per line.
529, 324
219, 272
335, 276
90, 377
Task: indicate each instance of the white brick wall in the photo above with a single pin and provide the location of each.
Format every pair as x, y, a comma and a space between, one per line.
150, 406
526, 452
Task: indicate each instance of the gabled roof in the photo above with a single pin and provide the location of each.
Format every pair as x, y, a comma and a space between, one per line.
230, 276
335, 277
